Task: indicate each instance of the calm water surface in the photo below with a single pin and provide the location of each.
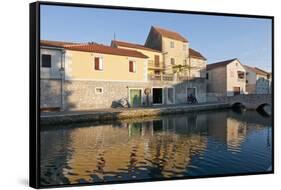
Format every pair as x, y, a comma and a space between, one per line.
197, 144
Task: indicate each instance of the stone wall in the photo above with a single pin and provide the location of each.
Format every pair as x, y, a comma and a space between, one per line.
251, 101
50, 93
82, 95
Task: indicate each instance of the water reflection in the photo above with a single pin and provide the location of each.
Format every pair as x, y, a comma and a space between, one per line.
221, 142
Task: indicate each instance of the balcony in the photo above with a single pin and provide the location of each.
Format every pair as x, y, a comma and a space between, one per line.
171, 77
161, 77
154, 65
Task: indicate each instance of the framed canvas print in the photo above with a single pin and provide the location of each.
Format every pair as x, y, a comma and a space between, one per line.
122, 94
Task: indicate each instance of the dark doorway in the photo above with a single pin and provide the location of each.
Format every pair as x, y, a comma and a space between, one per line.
157, 95
236, 91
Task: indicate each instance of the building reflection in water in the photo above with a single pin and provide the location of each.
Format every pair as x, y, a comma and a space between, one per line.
153, 148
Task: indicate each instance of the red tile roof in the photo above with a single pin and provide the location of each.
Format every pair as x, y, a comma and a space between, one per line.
258, 70
250, 68
261, 72
169, 34
132, 45
220, 64
196, 54
98, 48
55, 43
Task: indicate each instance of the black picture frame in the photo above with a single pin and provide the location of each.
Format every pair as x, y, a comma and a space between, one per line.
34, 88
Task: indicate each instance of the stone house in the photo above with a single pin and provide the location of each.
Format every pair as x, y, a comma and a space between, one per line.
258, 81
226, 78
176, 51
79, 76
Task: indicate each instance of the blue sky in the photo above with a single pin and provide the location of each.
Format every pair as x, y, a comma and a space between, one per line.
216, 37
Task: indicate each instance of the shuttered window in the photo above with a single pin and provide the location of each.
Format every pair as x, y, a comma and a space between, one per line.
132, 66
156, 60
98, 63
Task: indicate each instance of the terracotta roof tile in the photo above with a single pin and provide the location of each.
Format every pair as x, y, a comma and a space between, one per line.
170, 34
220, 64
196, 54
261, 72
98, 48
132, 45
55, 43
257, 70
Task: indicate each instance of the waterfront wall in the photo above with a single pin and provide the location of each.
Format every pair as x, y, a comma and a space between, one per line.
83, 95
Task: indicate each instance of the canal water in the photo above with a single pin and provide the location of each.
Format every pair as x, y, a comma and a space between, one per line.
183, 145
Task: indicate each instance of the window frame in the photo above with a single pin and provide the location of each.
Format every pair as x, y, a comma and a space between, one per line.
98, 88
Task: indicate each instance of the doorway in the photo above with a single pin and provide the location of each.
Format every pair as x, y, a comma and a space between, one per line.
157, 95
135, 97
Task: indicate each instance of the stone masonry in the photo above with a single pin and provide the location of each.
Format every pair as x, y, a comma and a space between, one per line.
81, 95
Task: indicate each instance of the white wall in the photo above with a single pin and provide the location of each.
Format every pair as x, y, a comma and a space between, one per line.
56, 61
232, 78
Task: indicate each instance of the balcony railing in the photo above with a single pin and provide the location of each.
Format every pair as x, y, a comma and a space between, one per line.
153, 65
171, 77
161, 77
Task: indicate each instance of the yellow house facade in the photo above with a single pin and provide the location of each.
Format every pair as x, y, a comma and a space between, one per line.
81, 66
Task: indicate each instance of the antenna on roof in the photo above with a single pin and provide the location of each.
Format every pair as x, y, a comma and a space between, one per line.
114, 36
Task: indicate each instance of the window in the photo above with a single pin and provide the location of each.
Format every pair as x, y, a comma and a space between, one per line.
132, 66
46, 60
172, 61
156, 60
207, 76
98, 63
172, 44
98, 90
241, 74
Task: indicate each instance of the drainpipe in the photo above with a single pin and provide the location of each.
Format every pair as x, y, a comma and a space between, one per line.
62, 72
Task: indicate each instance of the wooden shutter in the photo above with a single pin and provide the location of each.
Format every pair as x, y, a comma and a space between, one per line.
131, 66
97, 63
156, 60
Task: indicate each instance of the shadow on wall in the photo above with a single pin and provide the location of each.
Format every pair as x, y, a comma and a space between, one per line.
55, 93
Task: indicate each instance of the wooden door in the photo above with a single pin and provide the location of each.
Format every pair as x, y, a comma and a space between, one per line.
236, 90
